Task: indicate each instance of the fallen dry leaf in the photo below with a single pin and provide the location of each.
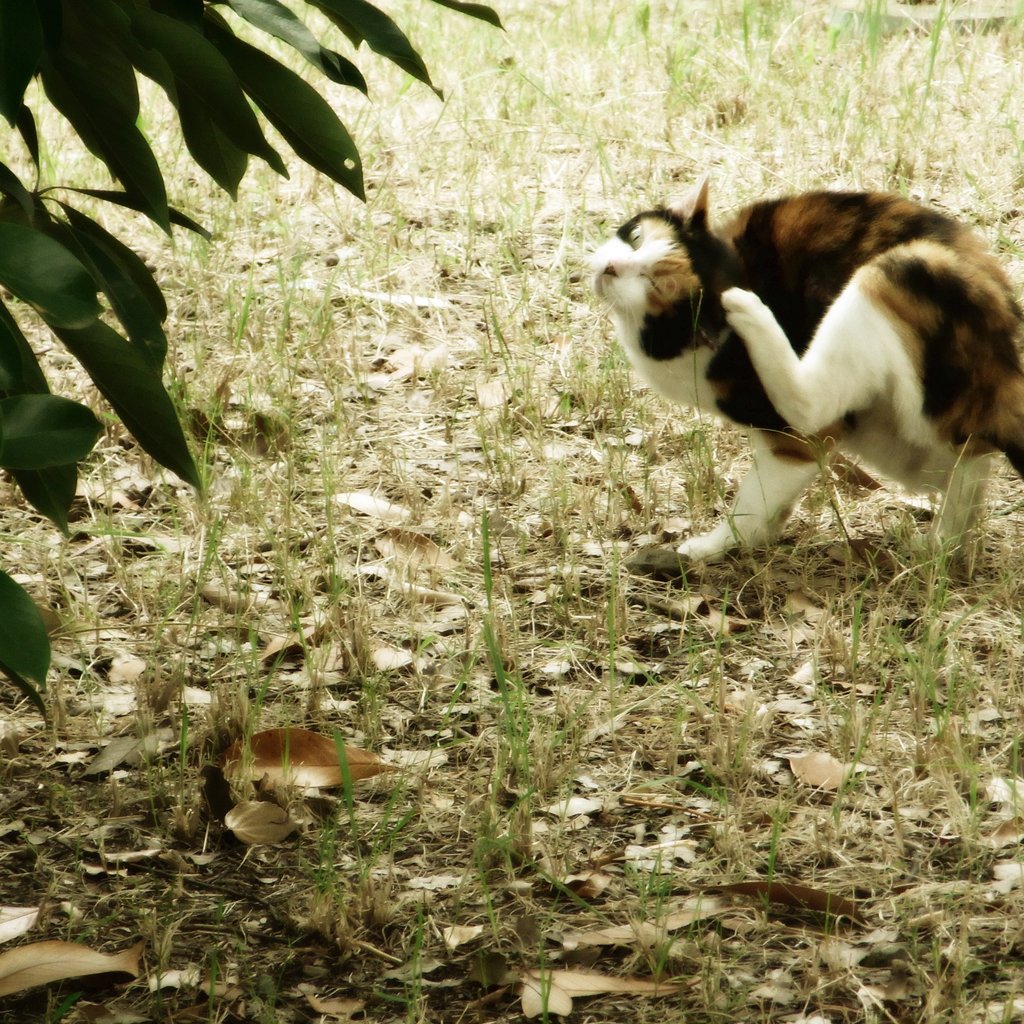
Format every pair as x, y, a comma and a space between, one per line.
1007, 875
298, 757
820, 770
800, 603
544, 997
1009, 792
649, 933
553, 991
650, 857
390, 659
881, 996
108, 1013
336, 1006
131, 750
259, 823
777, 988
456, 934
492, 393
290, 645
414, 551
998, 1011
15, 921
414, 969
125, 669
588, 886
238, 601
800, 897
415, 361
717, 620
435, 883
574, 806
114, 699
39, 963
117, 751
1007, 834
427, 596
373, 505
188, 977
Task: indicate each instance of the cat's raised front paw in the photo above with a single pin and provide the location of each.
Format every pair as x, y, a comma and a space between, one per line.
746, 313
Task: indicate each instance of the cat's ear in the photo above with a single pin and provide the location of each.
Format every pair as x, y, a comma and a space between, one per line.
693, 207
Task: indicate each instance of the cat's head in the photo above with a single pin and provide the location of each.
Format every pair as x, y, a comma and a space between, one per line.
666, 261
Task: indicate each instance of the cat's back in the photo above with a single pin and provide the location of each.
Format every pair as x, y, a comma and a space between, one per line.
800, 251
850, 226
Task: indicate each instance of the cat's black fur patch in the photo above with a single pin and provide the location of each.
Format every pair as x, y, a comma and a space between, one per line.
741, 395
670, 334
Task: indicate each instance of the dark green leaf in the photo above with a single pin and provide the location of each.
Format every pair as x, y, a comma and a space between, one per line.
27, 689
10, 186
132, 203
19, 369
200, 65
188, 11
21, 43
115, 16
27, 128
92, 55
41, 431
49, 491
91, 80
297, 111
473, 10
24, 645
272, 16
44, 274
361, 21
127, 282
116, 140
211, 148
134, 266
128, 381
51, 16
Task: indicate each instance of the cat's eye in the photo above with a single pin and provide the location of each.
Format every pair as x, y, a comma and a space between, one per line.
635, 235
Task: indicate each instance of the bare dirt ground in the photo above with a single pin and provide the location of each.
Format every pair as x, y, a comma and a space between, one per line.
785, 788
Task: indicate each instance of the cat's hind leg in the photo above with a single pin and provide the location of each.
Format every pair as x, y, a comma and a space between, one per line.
763, 502
850, 360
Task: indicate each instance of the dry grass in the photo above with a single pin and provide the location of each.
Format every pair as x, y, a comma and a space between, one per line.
501, 418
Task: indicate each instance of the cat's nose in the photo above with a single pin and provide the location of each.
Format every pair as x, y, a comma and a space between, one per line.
610, 271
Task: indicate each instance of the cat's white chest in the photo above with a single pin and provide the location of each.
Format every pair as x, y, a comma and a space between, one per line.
682, 379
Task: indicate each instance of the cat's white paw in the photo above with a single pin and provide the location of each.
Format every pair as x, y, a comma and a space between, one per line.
746, 313
707, 547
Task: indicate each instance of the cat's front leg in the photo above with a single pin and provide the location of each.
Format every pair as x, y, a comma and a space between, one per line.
762, 505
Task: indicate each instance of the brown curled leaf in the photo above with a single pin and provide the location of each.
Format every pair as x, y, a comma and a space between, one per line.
799, 897
298, 757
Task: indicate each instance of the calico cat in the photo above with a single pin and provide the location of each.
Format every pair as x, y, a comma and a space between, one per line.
859, 320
